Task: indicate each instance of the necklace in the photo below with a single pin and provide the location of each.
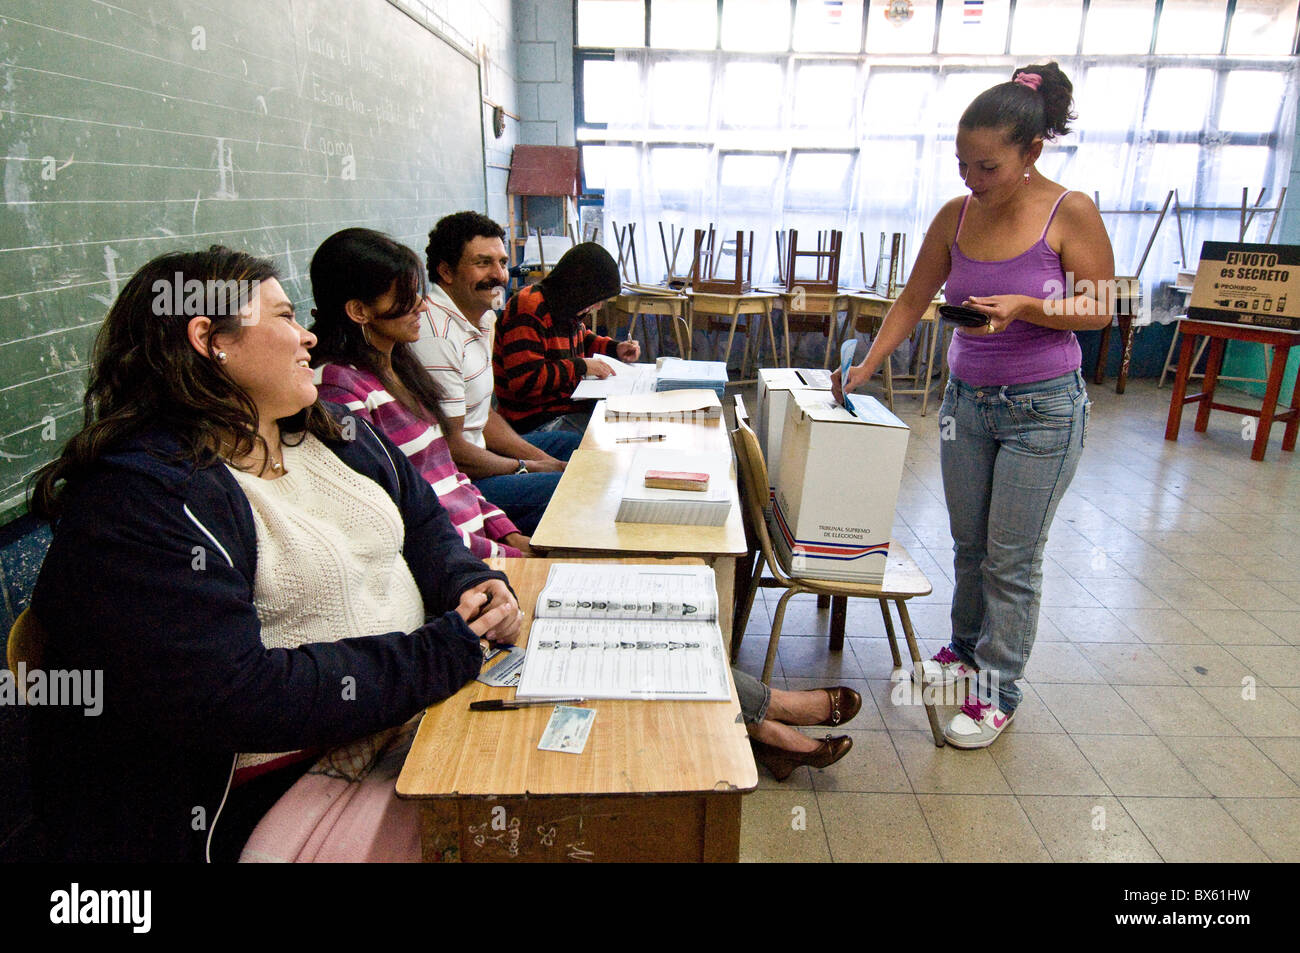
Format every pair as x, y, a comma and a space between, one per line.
277, 466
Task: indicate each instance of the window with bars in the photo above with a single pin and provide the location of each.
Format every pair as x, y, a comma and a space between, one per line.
849, 108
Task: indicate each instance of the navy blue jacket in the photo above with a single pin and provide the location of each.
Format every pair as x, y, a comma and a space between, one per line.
150, 579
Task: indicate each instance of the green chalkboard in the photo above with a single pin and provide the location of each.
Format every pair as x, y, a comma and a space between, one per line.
138, 127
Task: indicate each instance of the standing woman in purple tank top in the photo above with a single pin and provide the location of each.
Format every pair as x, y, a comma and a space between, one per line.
1036, 261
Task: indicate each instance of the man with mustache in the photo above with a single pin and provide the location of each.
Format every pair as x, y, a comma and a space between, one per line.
467, 264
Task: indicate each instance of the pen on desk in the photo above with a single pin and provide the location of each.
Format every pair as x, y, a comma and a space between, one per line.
650, 438
509, 704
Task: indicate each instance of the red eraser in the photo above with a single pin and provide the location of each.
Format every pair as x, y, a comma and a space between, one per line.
676, 480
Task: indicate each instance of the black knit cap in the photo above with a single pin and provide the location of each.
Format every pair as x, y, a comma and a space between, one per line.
584, 275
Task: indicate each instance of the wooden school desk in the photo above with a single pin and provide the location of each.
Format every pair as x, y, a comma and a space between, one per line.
814, 311
867, 312
1219, 335
657, 781
579, 521
731, 307
673, 305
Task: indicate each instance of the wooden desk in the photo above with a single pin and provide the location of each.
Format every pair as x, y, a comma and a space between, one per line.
668, 304
579, 521
1126, 306
867, 312
658, 781
823, 307
1219, 334
757, 303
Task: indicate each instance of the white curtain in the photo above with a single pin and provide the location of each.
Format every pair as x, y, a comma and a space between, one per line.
865, 145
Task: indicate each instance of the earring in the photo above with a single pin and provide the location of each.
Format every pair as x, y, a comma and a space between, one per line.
221, 356
1026, 176
365, 334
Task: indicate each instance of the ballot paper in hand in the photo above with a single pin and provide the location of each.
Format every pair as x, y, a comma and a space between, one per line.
847, 350
567, 730
626, 379
615, 366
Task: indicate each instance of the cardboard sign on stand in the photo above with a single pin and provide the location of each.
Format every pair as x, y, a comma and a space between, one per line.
1239, 283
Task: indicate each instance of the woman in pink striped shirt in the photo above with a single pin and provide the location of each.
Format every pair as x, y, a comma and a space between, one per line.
369, 292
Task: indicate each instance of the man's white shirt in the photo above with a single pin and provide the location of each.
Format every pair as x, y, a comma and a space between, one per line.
458, 355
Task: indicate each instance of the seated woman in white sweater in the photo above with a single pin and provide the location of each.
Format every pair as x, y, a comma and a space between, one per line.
270, 597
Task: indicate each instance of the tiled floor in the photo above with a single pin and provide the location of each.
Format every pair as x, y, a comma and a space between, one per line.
1161, 718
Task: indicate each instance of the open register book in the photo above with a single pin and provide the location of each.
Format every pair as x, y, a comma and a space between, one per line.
626, 631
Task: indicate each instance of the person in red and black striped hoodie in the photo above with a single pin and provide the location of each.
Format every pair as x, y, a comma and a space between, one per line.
542, 345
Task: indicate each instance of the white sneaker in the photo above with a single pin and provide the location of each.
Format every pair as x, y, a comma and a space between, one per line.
946, 669
977, 725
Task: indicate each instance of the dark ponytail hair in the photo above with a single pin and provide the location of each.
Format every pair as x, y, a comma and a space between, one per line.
360, 264
145, 374
1025, 113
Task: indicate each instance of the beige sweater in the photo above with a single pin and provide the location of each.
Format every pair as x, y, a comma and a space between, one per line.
329, 556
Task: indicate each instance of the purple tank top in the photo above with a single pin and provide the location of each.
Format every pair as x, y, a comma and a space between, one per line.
1022, 352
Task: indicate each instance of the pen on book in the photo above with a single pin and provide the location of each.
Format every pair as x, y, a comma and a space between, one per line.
509, 704
649, 438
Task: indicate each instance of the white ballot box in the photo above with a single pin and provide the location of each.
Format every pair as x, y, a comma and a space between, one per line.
834, 507
775, 385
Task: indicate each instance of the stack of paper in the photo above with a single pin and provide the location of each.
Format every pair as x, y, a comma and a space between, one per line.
676, 374
683, 405
625, 379
643, 504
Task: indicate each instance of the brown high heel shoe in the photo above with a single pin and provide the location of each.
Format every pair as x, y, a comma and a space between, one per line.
845, 703
782, 763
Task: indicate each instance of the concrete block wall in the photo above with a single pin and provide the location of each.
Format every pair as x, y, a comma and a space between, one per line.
544, 40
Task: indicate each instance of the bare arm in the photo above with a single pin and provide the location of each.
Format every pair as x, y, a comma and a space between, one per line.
928, 275
1089, 265
505, 455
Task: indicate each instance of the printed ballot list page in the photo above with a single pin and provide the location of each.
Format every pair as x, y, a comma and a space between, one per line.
619, 631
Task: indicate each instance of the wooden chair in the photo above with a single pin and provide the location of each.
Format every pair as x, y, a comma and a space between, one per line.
625, 238
673, 241
26, 644
826, 264
812, 303
903, 578
729, 297
704, 266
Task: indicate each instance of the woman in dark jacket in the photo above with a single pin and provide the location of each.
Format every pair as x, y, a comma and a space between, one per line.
259, 577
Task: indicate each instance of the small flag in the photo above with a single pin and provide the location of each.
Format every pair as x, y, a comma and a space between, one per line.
834, 10
972, 11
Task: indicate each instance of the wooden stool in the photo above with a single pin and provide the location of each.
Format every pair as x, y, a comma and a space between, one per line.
1219, 335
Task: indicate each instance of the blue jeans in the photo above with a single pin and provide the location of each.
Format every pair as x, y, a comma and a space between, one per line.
523, 497
1007, 455
754, 696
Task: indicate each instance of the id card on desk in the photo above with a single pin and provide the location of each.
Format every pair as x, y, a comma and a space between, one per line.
567, 730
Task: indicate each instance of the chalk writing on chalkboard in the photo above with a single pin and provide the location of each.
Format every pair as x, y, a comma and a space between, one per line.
130, 130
